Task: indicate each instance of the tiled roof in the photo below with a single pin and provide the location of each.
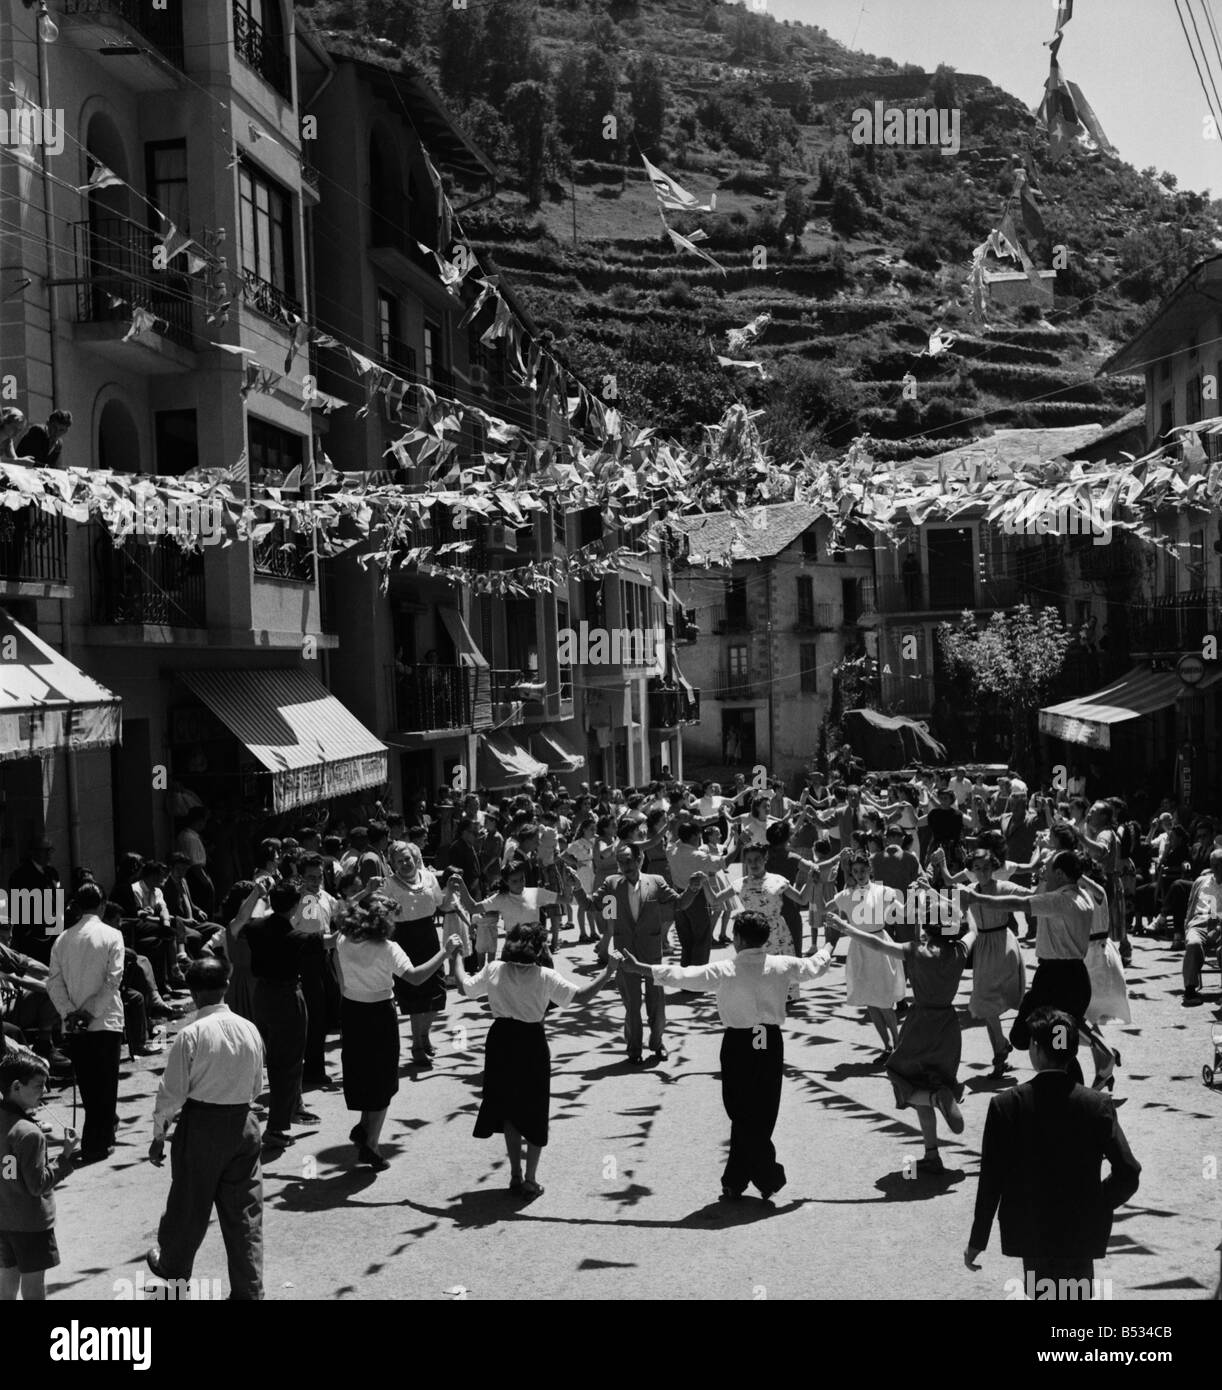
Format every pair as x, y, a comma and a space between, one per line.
722, 537
1010, 449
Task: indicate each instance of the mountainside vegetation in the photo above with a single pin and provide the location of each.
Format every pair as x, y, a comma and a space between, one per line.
858, 252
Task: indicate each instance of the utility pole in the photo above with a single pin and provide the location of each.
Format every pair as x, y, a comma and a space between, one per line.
573, 193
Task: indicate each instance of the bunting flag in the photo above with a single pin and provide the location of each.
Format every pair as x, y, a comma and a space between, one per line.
1028, 211
1064, 13
939, 342
142, 321
683, 243
1066, 113
1008, 232
670, 195
301, 338
174, 241
442, 202
101, 177
739, 338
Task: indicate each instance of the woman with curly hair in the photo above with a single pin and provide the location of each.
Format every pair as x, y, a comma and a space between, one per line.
517, 1061
369, 961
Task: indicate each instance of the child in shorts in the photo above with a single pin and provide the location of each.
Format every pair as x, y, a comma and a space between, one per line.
27, 1206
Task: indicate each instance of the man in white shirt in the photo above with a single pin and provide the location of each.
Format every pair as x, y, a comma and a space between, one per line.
751, 993
84, 983
1203, 926
213, 1076
961, 785
694, 923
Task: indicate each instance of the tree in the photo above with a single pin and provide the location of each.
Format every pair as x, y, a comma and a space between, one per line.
530, 116
1016, 658
944, 92
461, 57
847, 213
571, 99
795, 215
602, 97
647, 101
510, 26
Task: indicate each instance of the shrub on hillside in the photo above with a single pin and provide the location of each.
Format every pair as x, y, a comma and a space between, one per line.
923, 254
847, 214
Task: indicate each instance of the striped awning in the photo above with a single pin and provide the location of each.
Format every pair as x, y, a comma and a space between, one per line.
1088, 720
556, 751
46, 703
312, 745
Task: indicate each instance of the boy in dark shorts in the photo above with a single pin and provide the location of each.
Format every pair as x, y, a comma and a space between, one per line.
27, 1207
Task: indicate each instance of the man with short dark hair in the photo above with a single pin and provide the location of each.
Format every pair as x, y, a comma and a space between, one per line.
751, 993
1044, 1143
45, 443
213, 1076
84, 983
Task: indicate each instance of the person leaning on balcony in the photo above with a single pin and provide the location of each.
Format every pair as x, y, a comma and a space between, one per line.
45, 443
12, 425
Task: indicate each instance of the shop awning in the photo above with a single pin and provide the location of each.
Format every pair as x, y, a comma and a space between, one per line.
557, 752
504, 763
312, 745
46, 703
1088, 720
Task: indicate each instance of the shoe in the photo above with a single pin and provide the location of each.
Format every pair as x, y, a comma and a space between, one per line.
1126, 959
515, 1184
83, 1158
152, 1258
430, 1049
165, 1013
531, 1189
944, 1099
321, 1082
357, 1135
1191, 996
931, 1163
421, 1058
635, 1059
1001, 1062
1105, 1081
374, 1160
767, 1193
884, 1057
306, 1117
659, 1054
275, 1140
150, 1049
730, 1194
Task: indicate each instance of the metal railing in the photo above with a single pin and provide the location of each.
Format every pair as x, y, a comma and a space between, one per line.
260, 50
429, 698
33, 547
1175, 624
268, 299
161, 25
670, 708
284, 555
722, 618
907, 694
919, 595
732, 686
114, 259
153, 582
817, 617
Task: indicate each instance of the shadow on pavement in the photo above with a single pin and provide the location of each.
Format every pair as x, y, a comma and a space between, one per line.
476, 1209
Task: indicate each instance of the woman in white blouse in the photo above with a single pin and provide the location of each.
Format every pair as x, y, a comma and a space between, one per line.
517, 905
517, 1061
370, 964
416, 896
579, 855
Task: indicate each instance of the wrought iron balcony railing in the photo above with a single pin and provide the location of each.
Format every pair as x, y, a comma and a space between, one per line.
260, 50
155, 582
159, 23
1175, 624
33, 547
268, 299
284, 555
733, 686
114, 258
432, 698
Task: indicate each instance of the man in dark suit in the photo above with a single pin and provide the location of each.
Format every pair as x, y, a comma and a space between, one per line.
629, 906
1044, 1142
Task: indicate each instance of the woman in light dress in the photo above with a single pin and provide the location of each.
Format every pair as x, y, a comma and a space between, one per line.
514, 903
416, 896
1109, 996
579, 856
874, 979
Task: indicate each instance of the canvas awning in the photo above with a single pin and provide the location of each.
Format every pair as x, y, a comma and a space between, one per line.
1088, 720
313, 746
46, 703
504, 763
557, 752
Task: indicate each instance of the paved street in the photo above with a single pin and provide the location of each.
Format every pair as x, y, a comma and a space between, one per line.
632, 1174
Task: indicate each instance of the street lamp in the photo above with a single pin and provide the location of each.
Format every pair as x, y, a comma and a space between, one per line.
48, 30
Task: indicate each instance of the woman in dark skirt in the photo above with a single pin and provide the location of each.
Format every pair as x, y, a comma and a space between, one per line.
417, 895
924, 1068
517, 1060
369, 963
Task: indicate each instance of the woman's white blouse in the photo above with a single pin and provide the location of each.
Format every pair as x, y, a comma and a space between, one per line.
520, 991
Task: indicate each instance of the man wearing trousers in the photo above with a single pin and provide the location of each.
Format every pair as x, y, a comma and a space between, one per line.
751, 993
1203, 926
276, 951
85, 984
694, 923
628, 905
1044, 1144
212, 1078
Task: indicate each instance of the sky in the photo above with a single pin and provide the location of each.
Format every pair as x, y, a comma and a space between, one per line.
1128, 56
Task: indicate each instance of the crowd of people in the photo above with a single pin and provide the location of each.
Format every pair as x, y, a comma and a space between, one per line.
923, 875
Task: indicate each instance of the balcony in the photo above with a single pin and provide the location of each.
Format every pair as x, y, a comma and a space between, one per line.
260, 50
156, 584
1174, 625
723, 618
33, 547
733, 685
508, 696
311, 181
1105, 562
433, 699
670, 708
907, 694
285, 555
268, 299
328, 602
99, 24
818, 617
115, 274
919, 595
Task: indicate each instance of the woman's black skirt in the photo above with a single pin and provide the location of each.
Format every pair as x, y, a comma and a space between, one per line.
369, 1053
420, 941
517, 1081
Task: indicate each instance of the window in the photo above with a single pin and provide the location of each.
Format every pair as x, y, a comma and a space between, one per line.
592, 602
806, 601
736, 663
434, 360
165, 171
258, 38
267, 241
566, 669
386, 202
736, 603
1193, 406
1171, 580
273, 451
634, 615
1165, 419
177, 442
808, 666
810, 544
1164, 369
388, 326
851, 600
1196, 558
559, 535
